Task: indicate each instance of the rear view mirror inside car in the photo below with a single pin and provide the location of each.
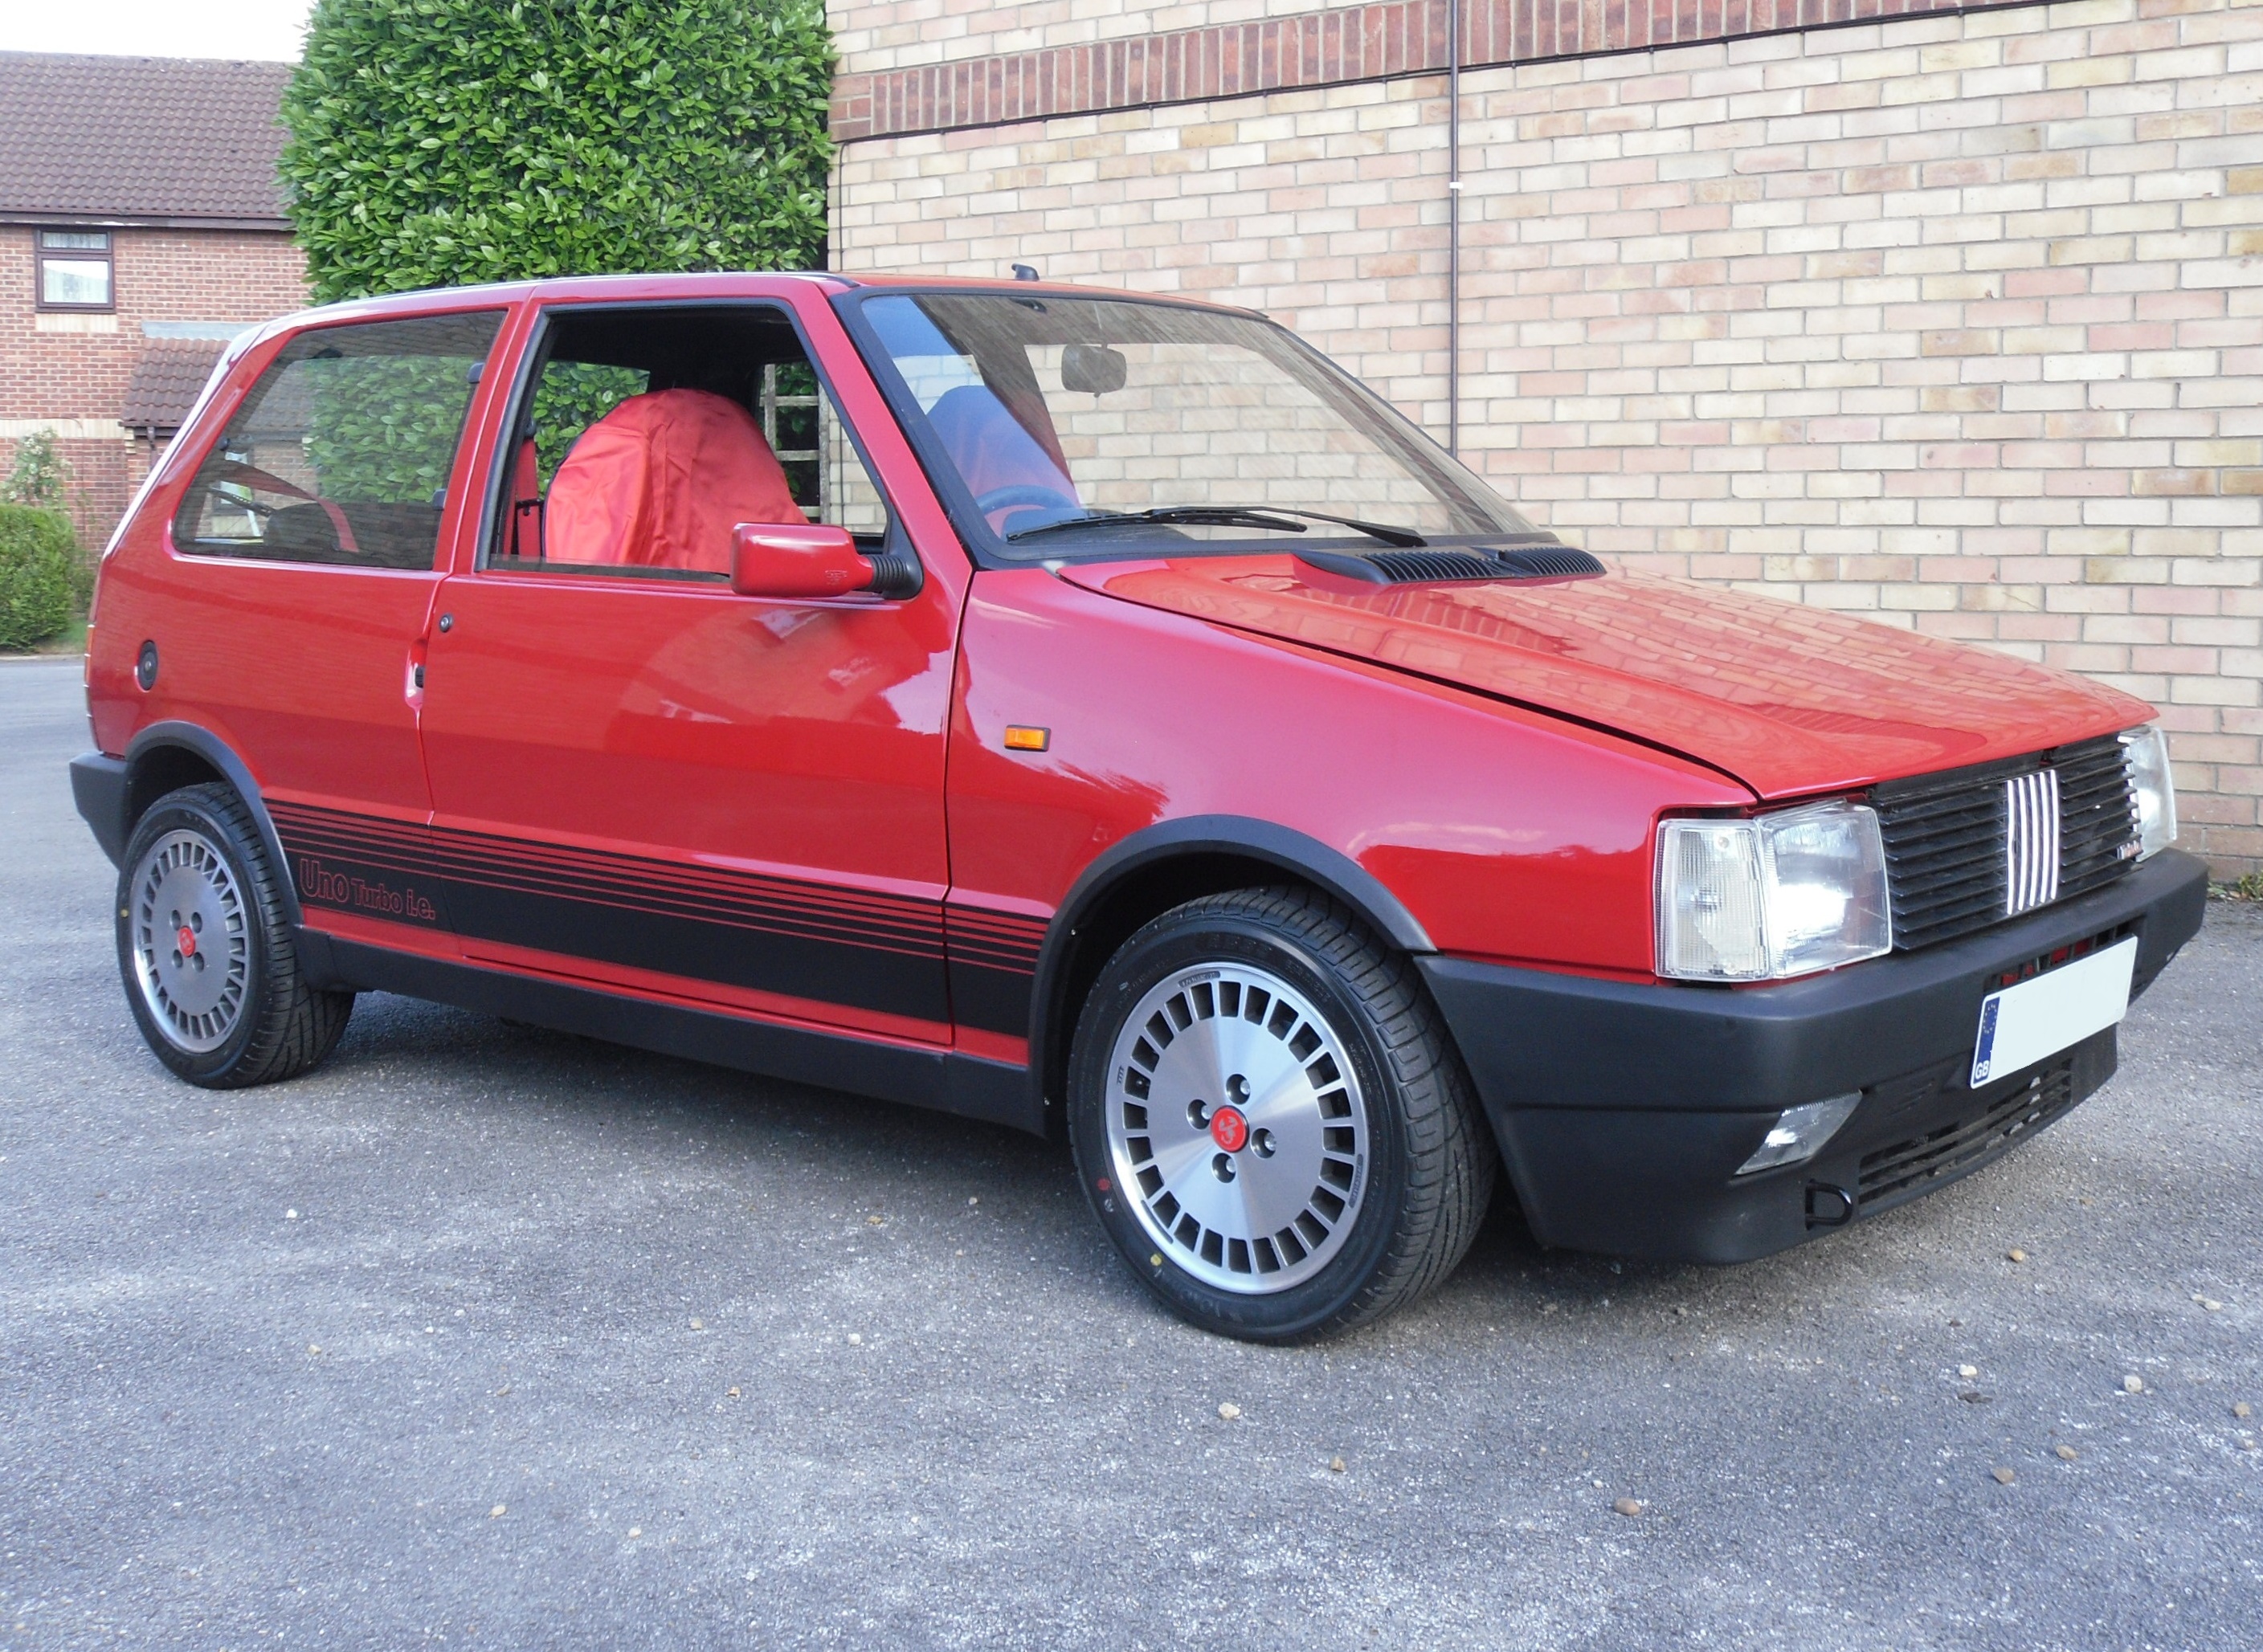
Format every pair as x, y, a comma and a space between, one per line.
1094, 369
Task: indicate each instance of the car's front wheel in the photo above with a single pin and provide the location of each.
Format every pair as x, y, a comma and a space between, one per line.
206, 951
1270, 1121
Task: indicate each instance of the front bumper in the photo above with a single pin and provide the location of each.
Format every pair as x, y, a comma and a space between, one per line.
1623, 1110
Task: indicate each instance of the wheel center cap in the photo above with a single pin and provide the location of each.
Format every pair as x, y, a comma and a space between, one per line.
187, 942
1229, 1129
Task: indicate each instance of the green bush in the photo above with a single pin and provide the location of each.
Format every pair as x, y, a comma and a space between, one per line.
39, 473
435, 142
384, 429
37, 555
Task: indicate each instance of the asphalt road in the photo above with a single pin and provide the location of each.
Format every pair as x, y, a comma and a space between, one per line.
486, 1337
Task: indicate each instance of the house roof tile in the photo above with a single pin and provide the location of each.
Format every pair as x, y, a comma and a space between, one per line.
140, 139
167, 377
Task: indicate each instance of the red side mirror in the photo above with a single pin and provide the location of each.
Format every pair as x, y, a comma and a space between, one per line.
774, 559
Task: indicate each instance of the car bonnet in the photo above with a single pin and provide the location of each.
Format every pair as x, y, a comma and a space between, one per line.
1787, 698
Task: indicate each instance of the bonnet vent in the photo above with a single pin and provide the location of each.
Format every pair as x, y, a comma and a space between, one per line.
1483, 562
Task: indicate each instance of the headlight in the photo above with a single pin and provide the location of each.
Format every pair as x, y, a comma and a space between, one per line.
2146, 752
1779, 895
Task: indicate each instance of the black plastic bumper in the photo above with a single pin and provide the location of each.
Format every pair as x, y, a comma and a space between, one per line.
1623, 1110
99, 788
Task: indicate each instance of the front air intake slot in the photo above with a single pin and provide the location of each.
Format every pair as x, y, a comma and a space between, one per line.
1480, 562
1411, 567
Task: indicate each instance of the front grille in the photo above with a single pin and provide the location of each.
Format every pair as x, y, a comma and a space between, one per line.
2098, 816
1968, 848
2030, 841
1904, 1169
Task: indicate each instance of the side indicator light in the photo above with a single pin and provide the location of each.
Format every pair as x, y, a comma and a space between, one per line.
1020, 738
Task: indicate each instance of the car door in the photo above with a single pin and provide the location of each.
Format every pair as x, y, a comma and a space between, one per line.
307, 549
644, 780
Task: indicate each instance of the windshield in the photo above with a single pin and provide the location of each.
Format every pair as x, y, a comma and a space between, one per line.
1080, 425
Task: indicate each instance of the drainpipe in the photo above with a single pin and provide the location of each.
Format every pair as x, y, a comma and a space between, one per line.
1454, 227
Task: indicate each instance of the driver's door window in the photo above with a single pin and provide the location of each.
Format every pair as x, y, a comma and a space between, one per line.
632, 458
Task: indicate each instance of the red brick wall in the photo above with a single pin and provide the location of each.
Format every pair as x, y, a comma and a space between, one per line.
1320, 47
79, 377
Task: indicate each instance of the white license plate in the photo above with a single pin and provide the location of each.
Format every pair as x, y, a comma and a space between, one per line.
2024, 1024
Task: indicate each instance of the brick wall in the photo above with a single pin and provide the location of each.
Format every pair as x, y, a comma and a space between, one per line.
68, 371
891, 34
1955, 320
910, 67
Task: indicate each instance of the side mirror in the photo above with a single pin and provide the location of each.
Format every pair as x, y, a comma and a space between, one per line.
812, 559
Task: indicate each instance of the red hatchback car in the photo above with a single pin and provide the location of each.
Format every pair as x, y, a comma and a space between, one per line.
1100, 715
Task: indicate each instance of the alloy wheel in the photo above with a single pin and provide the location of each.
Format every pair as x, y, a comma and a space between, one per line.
1236, 1127
192, 947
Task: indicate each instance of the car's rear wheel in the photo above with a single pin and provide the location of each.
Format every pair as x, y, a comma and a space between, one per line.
205, 951
1270, 1121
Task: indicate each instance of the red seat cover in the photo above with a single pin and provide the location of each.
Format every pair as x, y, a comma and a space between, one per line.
660, 481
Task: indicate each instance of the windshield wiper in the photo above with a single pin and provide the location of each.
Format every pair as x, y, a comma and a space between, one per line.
1271, 516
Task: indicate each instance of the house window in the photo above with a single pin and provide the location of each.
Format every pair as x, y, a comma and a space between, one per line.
75, 270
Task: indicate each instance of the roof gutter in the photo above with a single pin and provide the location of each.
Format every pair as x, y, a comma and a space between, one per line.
47, 220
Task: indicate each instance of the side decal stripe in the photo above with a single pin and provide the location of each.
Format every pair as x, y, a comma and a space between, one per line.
677, 918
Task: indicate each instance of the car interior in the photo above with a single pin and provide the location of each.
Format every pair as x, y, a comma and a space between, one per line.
645, 435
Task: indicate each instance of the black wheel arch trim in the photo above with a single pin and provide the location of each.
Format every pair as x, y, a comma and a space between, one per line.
124, 808
1241, 837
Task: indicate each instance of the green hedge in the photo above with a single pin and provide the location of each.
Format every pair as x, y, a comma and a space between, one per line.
435, 142
37, 556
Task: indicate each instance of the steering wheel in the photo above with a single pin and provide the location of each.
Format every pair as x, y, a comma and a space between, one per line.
1023, 496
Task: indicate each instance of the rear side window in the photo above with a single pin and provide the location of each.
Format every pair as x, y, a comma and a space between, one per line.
340, 452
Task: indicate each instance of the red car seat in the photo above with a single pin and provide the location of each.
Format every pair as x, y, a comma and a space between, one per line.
660, 481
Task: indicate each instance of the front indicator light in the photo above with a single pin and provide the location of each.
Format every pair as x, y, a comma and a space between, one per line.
1799, 1133
2145, 752
1775, 896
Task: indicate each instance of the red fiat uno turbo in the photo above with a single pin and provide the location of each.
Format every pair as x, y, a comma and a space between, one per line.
1099, 715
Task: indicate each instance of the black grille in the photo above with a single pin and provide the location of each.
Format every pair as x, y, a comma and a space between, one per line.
2098, 816
1408, 568
1944, 837
1904, 1169
1485, 562
1538, 562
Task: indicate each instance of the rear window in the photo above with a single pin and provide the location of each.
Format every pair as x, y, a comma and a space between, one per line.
341, 451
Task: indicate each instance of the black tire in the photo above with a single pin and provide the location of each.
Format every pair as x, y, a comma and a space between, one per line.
1429, 1160
263, 1022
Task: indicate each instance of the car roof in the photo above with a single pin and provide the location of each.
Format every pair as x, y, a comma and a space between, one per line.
708, 285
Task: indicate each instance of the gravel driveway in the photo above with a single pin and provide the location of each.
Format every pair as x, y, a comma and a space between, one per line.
491, 1337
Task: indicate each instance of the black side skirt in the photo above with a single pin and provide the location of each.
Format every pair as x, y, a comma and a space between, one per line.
995, 1092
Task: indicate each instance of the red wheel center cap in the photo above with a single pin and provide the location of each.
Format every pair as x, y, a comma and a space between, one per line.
188, 941
1229, 1129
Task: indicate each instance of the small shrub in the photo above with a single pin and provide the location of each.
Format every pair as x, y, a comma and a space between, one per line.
37, 556
39, 473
